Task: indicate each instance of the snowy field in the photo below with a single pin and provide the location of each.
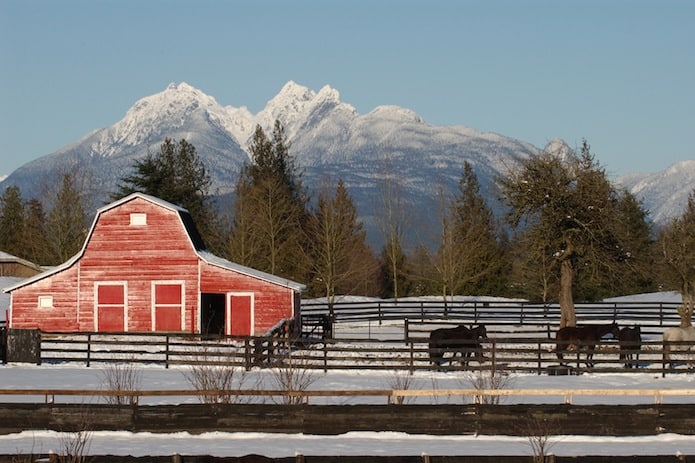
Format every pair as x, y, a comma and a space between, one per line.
354, 443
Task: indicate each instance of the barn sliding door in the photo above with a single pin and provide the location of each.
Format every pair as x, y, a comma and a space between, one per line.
110, 307
167, 306
240, 319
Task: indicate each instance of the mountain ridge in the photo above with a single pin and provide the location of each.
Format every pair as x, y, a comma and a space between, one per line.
329, 140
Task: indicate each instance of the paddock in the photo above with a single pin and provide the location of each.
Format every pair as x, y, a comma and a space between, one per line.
397, 346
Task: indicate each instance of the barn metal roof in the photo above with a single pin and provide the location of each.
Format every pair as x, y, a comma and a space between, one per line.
193, 235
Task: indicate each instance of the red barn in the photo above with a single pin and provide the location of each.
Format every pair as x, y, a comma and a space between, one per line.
143, 267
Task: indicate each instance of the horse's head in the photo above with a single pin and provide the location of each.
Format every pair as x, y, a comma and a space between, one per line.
480, 331
615, 330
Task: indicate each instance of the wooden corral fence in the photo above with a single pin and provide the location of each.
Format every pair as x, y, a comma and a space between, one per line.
500, 352
387, 396
520, 338
651, 316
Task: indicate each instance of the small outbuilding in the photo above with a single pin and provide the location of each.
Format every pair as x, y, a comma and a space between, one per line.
13, 266
144, 268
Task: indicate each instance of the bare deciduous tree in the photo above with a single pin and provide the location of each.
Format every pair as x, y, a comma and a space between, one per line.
121, 377
677, 252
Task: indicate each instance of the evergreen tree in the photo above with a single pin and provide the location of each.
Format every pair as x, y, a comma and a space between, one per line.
270, 210
482, 268
470, 259
570, 209
424, 279
66, 223
338, 250
630, 271
534, 275
176, 174
12, 222
35, 232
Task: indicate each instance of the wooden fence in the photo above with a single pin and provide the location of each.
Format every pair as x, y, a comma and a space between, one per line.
500, 352
649, 314
520, 339
489, 418
564, 396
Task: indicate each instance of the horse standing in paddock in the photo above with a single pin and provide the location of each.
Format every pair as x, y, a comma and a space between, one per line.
630, 340
677, 335
459, 339
583, 338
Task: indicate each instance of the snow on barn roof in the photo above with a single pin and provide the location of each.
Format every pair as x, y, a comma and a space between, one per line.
224, 263
193, 235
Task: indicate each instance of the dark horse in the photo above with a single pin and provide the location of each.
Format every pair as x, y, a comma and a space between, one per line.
630, 340
459, 339
583, 338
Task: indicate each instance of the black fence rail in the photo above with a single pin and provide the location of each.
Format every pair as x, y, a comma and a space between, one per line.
653, 317
499, 352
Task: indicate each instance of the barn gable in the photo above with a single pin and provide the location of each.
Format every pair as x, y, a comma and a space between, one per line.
143, 267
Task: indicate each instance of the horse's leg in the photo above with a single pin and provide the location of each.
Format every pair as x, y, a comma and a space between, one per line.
559, 350
590, 355
667, 355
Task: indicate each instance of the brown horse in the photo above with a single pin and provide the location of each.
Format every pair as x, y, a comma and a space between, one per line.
460, 339
630, 340
583, 338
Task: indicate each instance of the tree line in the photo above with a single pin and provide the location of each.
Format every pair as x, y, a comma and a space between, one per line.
568, 234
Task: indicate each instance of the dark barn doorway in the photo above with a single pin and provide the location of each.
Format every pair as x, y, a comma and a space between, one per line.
212, 314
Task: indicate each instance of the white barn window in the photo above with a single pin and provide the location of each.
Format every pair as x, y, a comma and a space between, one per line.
45, 302
138, 219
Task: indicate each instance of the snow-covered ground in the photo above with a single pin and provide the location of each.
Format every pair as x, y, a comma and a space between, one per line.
354, 443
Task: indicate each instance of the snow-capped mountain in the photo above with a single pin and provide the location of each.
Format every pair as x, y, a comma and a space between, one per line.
328, 137
665, 193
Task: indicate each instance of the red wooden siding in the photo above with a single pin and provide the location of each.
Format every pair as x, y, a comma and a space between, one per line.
25, 311
146, 276
271, 302
141, 254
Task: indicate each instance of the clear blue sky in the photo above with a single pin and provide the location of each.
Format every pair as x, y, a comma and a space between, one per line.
620, 73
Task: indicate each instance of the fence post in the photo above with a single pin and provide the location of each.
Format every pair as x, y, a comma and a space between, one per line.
661, 314
247, 354
540, 362
412, 358
89, 348
406, 334
166, 352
